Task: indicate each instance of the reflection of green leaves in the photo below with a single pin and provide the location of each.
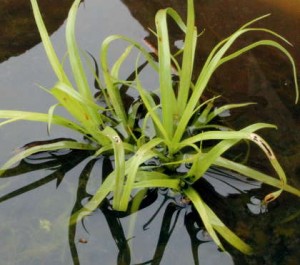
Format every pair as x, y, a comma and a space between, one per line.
59, 163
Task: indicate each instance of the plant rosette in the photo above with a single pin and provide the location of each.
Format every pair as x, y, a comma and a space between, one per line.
160, 132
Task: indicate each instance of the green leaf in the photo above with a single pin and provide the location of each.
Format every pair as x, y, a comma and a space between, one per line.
119, 158
143, 154
212, 223
106, 187
167, 95
45, 148
187, 59
255, 174
206, 160
202, 209
15, 115
52, 57
227, 234
74, 56
50, 116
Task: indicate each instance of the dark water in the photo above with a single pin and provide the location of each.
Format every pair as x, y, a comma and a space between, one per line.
36, 204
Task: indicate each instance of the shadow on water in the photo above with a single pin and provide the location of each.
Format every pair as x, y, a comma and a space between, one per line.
158, 236
171, 211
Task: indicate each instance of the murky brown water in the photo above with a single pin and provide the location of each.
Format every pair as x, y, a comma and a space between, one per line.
18, 31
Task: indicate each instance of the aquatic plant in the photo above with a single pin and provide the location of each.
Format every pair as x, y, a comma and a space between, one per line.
161, 140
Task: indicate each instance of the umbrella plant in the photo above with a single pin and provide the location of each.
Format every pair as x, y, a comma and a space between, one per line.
161, 139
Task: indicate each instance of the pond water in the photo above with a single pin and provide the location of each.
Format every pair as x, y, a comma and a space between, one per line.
38, 196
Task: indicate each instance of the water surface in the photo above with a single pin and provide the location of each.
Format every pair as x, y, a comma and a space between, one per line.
34, 220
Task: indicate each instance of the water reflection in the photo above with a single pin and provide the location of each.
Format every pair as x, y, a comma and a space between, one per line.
56, 162
152, 232
168, 219
32, 227
162, 210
